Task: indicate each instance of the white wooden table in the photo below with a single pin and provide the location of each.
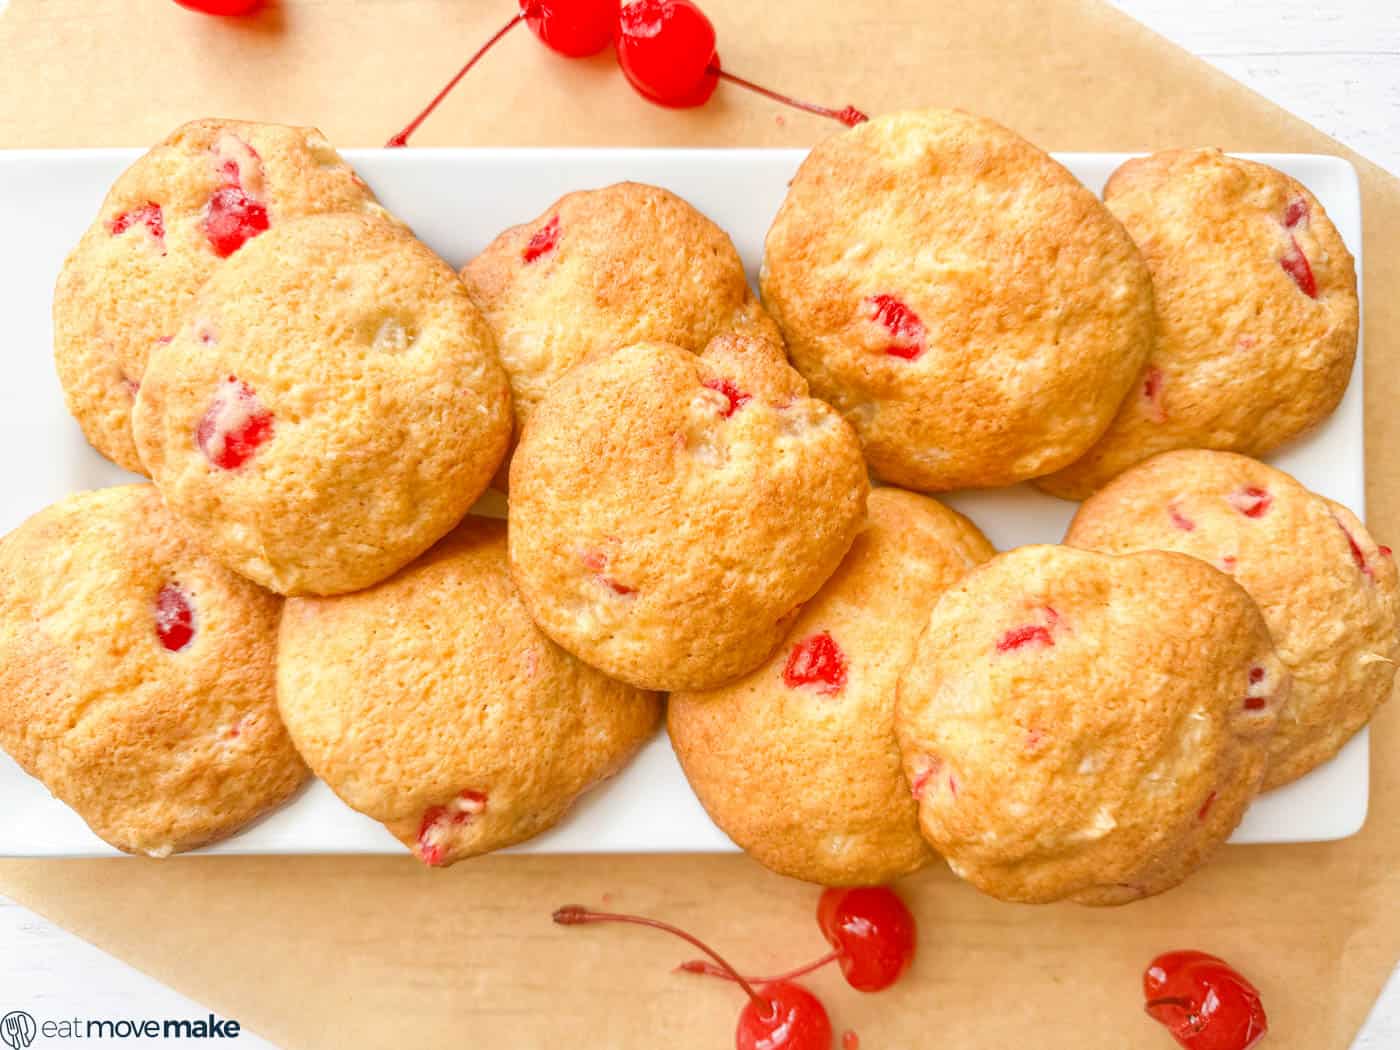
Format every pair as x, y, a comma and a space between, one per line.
1336, 63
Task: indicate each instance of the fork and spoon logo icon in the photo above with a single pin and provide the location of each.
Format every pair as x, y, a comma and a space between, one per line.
18, 1029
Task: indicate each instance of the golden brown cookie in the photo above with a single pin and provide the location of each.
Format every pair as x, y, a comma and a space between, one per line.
797, 762
166, 225
1329, 594
604, 268
670, 513
1077, 725
331, 409
431, 703
1256, 306
968, 306
137, 676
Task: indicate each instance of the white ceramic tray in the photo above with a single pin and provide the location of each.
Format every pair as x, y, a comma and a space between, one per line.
457, 200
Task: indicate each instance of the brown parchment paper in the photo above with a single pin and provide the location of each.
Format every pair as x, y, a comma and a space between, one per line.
376, 952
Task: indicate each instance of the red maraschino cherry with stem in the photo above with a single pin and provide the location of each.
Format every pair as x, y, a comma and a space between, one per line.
871, 932
1204, 1002
779, 1015
573, 28
666, 49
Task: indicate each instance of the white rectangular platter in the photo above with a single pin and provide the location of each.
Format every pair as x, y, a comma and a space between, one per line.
457, 201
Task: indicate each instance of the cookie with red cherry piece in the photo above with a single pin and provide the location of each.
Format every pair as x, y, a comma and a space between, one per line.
797, 761
975, 312
431, 703
137, 677
330, 409
1257, 312
1084, 726
605, 268
670, 513
167, 223
1330, 594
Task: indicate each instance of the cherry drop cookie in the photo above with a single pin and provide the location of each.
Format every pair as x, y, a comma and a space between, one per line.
1083, 726
167, 223
670, 512
602, 269
331, 408
969, 307
1256, 308
431, 703
137, 676
1330, 594
797, 761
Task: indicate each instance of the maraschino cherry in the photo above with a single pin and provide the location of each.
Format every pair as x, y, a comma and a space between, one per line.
666, 49
871, 932
1204, 1002
222, 7
779, 1015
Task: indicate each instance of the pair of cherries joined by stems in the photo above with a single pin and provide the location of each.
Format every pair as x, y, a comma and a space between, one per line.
666, 49
1201, 1000
872, 936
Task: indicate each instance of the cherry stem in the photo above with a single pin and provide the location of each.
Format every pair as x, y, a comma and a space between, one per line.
401, 139
709, 969
850, 116
575, 915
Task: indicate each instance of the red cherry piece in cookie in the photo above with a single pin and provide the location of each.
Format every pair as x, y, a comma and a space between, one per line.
1252, 502
596, 562
234, 425
1256, 697
174, 617
232, 219
1180, 520
222, 7
873, 932
148, 215
1152, 383
926, 770
1204, 811
737, 398
908, 338
850, 1040
438, 822
545, 240
779, 1015
1357, 554
1204, 1002
1038, 634
1020, 637
1294, 262
572, 28
816, 661
666, 49
1296, 265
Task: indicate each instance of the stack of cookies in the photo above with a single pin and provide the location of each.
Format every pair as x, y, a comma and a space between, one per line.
859, 683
